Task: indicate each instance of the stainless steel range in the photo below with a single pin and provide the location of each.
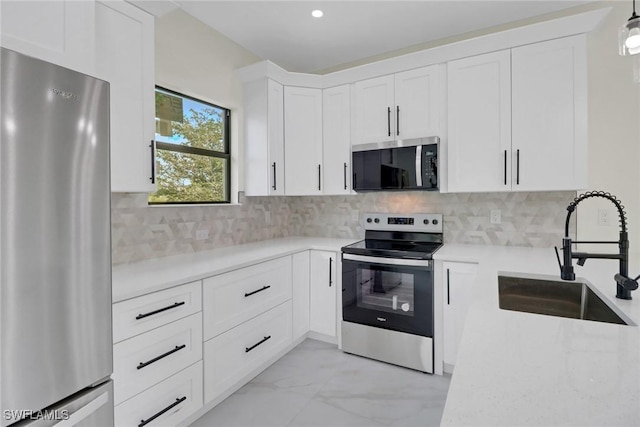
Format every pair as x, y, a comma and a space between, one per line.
387, 300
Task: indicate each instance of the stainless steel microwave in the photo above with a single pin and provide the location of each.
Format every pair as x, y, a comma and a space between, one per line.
410, 164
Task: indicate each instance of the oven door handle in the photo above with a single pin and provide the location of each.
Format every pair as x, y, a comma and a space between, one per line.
389, 261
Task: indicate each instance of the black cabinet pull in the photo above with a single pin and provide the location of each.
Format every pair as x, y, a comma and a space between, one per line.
168, 408
330, 267
264, 288
153, 162
162, 356
319, 178
505, 167
248, 349
355, 181
398, 120
160, 310
274, 175
389, 120
518, 167
448, 294
345, 176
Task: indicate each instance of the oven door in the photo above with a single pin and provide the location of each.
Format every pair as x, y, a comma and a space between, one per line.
388, 293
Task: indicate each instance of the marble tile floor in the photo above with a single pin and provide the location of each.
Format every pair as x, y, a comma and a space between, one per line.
316, 384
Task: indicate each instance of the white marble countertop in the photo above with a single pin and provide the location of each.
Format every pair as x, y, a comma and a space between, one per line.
140, 278
531, 370
512, 368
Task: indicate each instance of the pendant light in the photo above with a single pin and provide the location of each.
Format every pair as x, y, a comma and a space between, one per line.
629, 35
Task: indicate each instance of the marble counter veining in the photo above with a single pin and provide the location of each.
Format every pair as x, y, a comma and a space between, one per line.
132, 280
525, 369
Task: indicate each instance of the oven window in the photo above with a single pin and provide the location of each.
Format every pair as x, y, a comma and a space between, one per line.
388, 291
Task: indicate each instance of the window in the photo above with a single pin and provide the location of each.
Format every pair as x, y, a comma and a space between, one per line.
192, 151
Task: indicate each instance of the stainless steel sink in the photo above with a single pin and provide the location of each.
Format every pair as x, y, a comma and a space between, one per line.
575, 300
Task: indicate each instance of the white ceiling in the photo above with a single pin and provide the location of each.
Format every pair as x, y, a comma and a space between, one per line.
286, 33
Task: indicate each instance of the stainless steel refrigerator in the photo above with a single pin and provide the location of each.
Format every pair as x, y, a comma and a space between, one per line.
55, 251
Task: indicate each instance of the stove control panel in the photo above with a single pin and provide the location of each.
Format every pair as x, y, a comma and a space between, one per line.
420, 222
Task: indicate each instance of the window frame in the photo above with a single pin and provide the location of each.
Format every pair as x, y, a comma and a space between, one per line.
226, 155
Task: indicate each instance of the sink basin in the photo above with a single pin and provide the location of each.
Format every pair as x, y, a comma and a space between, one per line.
574, 300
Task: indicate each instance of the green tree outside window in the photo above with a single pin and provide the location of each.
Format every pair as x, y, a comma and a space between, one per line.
192, 151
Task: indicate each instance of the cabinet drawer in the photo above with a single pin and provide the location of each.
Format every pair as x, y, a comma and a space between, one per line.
182, 393
147, 359
232, 298
138, 315
232, 355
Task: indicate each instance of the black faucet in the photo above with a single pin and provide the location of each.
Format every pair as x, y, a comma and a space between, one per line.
624, 284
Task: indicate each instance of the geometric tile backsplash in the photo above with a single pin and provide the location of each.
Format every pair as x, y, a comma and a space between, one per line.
142, 232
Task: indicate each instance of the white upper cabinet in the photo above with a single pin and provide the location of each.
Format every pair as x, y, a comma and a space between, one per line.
400, 106
125, 58
517, 119
479, 123
548, 83
419, 101
264, 138
373, 102
60, 32
111, 40
303, 141
336, 135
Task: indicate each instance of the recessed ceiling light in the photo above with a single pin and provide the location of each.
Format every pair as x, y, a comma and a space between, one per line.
317, 13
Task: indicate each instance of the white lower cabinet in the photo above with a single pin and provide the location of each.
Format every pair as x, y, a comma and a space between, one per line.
234, 297
183, 349
147, 359
457, 289
300, 296
231, 356
165, 404
324, 285
138, 315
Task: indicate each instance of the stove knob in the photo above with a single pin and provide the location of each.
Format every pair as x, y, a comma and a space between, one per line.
369, 220
377, 220
435, 222
426, 222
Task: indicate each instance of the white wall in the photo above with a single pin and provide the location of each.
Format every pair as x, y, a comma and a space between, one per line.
614, 134
193, 59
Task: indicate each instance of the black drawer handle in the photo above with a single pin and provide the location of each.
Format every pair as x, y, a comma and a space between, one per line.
162, 356
248, 349
160, 310
257, 290
168, 408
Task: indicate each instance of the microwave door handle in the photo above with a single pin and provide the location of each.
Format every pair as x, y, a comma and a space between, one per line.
418, 165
